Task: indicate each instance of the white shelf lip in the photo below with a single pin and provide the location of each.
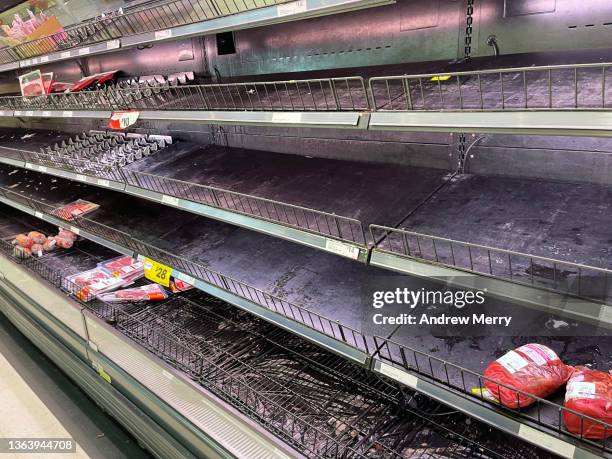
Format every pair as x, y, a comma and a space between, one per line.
95, 48
575, 308
94, 114
557, 122
255, 18
283, 118
480, 411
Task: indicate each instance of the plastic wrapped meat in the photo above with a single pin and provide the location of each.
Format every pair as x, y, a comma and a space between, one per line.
37, 237
24, 241
77, 208
532, 369
124, 267
589, 392
151, 292
37, 249
177, 285
88, 284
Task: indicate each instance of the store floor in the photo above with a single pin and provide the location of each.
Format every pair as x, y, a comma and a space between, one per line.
37, 400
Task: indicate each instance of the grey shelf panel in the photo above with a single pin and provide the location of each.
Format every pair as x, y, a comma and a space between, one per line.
564, 123
234, 435
341, 248
117, 405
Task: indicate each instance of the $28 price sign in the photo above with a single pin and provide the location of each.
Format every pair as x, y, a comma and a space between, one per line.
157, 272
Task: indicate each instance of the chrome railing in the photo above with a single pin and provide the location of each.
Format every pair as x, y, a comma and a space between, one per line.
553, 87
303, 218
556, 275
327, 94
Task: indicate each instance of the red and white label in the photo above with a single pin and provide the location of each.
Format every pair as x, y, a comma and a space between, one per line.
121, 120
540, 355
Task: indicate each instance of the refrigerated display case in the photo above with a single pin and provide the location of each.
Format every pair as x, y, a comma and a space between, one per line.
277, 156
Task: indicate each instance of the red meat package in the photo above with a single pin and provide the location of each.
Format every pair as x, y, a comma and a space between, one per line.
77, 208
151, 292
532, 368
125, 267
91, 283
589, 392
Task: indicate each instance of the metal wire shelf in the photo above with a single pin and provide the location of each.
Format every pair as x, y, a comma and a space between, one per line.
559, 276
300, 314
326, 94
449, 373
150, 17
303, 218
222, 370
553, 87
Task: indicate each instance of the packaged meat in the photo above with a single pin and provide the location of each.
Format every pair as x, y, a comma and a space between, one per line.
47, 79
37, 249
77, 208
50, 244
177, 285
66, 234
88, 284
37, 238
589, 392
532, 368
31, 84
150, 292
124, 267
24, 241
63, 243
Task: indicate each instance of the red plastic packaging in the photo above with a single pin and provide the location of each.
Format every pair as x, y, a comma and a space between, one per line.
532, 368
589, 392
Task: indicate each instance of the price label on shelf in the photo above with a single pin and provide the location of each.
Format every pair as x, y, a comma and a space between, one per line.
121, 120
83, 51
170, 200
44, 59
340, 248
163, 34
157, 272
65, 55
287, 9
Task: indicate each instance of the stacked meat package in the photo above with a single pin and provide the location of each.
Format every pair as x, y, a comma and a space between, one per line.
589, 392
537, 370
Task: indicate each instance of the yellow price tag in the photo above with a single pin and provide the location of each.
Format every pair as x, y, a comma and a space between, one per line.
441, 78
157, 272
